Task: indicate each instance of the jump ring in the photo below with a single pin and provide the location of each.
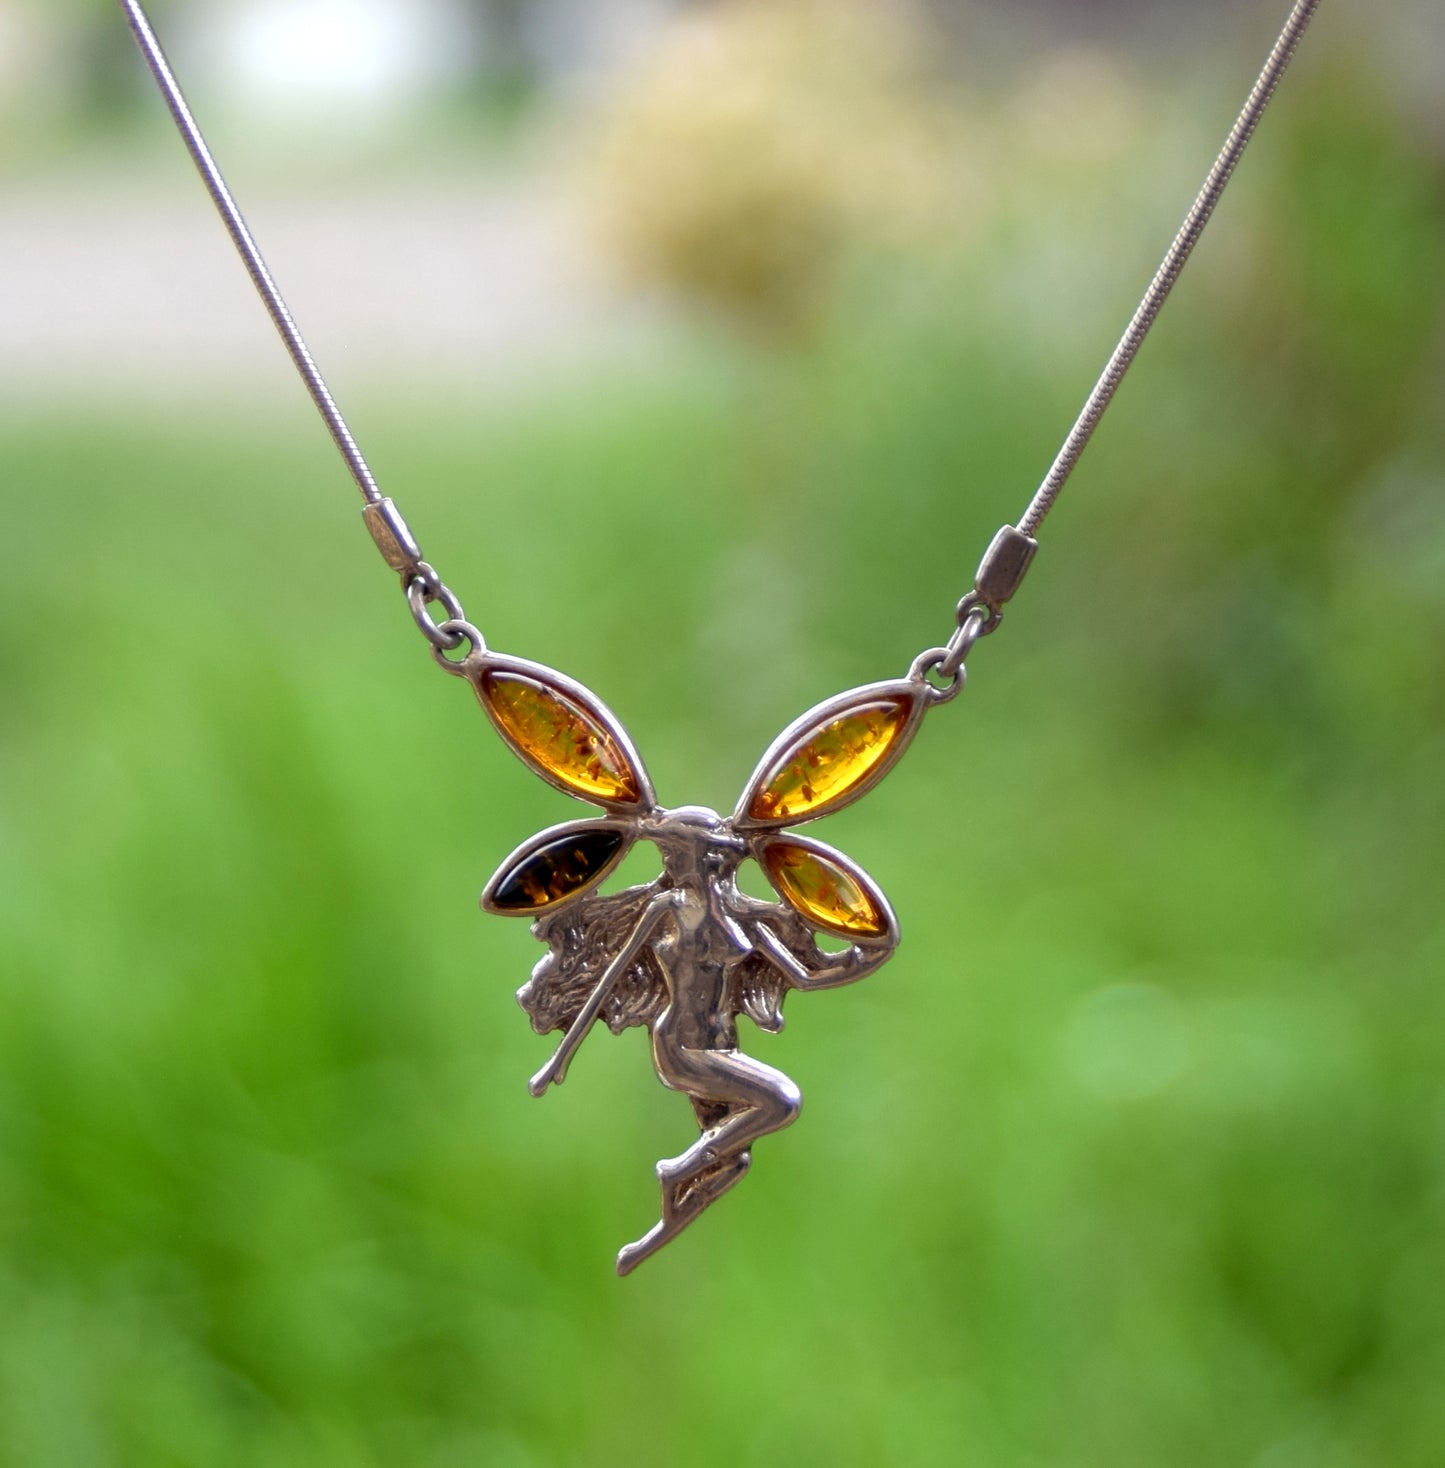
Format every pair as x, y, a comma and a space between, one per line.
925, 663
973, 626
463, 632
419, 596
972, 602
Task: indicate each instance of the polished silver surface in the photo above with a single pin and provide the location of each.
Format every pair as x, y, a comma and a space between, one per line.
1003, 567
930, 661
468, 642
393, 537
974, 621
685, 954
424, 591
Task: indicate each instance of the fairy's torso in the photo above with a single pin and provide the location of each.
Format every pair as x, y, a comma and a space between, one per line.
697, 948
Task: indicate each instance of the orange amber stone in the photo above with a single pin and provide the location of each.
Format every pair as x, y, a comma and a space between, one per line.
823, 891
559, 737
827, 765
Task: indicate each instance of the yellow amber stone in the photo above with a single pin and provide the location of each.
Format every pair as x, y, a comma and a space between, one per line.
823, 891
838, 757
560, 737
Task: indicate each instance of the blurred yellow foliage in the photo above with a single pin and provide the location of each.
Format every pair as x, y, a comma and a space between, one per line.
759, 141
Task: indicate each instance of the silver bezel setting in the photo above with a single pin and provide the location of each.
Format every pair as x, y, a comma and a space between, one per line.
478, 664
807, 726
543, 839
888, 938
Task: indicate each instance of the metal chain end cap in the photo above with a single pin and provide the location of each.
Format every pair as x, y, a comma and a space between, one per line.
1002, 569
393, 536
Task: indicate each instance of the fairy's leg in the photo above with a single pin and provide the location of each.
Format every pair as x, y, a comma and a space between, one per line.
765, 1101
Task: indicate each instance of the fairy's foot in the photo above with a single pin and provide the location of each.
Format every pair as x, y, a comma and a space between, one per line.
631, 1255
682, 1204
674, 1170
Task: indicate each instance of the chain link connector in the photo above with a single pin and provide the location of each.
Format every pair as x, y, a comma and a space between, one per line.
393, 537
973, 625
463, 632
424, 589
971, 604
933, 660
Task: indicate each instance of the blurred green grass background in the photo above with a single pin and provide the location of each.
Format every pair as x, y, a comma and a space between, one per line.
1135, 1153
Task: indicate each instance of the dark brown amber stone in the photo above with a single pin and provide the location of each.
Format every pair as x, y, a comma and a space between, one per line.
560, 737
557, 870
820, 771
824, 891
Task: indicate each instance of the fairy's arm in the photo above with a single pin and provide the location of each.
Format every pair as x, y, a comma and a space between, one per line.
853, 963
555, 1070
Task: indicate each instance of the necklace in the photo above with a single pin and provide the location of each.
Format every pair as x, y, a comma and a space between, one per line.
685, 954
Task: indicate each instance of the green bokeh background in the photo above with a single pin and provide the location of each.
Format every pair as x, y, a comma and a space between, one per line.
1134, 1155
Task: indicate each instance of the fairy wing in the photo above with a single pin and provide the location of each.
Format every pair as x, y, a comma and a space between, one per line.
827, 889
563, 731
821, 762
582, 940
569, 737
557, 866
831, 755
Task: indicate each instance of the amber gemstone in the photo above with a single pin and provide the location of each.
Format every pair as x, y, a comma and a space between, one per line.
559, 737
826, 765
824, 891
557, 870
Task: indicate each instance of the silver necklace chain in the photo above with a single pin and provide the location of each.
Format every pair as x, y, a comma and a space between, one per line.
1169, 268
1012, 549
246, 247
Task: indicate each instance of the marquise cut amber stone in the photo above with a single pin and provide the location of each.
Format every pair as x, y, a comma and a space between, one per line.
560, 737
557, 870
823, 891
821, 771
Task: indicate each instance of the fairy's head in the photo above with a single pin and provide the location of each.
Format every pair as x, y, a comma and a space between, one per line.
698, 847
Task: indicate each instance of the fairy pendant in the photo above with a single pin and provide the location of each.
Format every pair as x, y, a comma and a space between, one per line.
687, 953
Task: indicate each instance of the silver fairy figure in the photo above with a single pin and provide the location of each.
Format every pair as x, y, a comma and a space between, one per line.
688, 952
